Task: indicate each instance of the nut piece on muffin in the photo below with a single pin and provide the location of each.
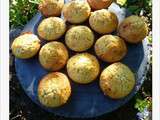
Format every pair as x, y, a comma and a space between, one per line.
117, 81
99, 4
83, 68
51, 28
51, 7
53, 56
79, 38
133, 29
54, 90
103, 21
110, 48
76, 11
26, 46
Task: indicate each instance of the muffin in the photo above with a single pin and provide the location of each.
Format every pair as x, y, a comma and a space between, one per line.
51, 28
133, 29
25, 46
103, 21
76, 11
117, 81
79, 38
99, 4
53, 56
110, 48
83, 68
51, 7
54, 90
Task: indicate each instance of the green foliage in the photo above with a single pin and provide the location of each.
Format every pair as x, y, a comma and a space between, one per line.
149, 38
21, 11
121, 2
135, 6
142, 104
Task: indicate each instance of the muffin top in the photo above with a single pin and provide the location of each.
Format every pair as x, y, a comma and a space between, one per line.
83, 68
133, 29
99, 4
51, 7
25, 46
51, 28
54, 89
110, 48
103, 21
117, 80
76, 11
53, 56
79, 38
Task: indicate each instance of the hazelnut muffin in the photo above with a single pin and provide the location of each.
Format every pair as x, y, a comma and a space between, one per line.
54, 90
51, 7
103, 21
117, 80
110, 48
79, 38
76, 11
25, 46
51, 28
133, 29
83, 68
53, 56
99, 4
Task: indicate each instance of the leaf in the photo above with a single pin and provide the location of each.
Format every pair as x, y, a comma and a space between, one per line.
35, 1
121, 2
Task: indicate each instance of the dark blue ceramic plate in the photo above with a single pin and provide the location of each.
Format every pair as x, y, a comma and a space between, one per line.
86, 100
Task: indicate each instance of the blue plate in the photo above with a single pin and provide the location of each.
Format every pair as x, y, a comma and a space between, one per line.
86, 100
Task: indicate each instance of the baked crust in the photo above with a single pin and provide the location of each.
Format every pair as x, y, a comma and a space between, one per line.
117, 81
133, 29
54, 89
110, 48
53, 56
25, 46
83, 68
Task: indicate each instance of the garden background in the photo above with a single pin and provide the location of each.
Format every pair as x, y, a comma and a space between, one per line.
22, 108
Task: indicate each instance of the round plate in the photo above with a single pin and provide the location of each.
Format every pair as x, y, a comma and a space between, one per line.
88, 100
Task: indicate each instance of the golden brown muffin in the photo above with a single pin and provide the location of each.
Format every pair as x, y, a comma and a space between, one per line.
110, 48
117, 80
79, 38
51, 28
103, 21
25, 46
76, 11
51, 7
133, 29
99, 4
83, 68
53, 56
54, 89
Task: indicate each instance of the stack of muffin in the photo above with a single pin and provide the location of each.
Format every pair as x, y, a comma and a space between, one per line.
116, 80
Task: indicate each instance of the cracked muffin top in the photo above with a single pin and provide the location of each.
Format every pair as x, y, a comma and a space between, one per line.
54, 89
110, 48
133, 29
53, 56
25, 46
117, 80
83, 68
51, 28
51, 7
76, 11
79, 38
103, 21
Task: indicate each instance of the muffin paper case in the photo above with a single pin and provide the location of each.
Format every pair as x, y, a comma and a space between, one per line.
86, 100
